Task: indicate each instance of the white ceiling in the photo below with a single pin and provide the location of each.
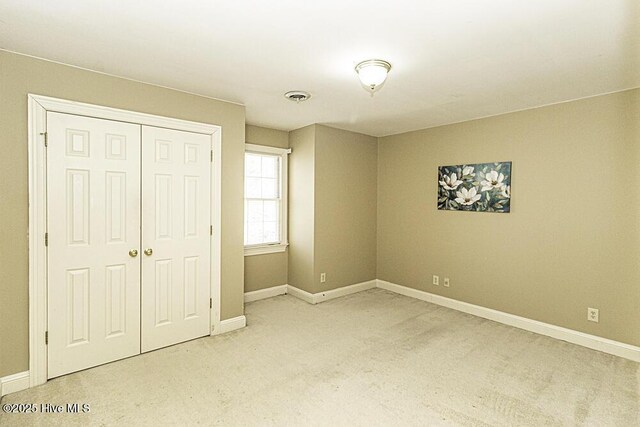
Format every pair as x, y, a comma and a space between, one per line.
453, 60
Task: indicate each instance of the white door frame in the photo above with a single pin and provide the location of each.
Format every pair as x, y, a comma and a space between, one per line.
38, 107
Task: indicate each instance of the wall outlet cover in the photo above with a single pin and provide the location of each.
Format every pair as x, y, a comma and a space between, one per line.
446, 282
593, 314
436, 280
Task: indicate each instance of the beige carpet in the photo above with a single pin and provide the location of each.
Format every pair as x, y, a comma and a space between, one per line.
373, 358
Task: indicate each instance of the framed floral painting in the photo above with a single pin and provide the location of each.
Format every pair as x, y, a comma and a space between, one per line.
483, 187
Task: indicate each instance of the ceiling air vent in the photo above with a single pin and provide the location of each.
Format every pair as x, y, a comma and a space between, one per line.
297, 95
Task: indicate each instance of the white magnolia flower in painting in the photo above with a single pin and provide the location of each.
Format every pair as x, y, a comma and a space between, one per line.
492, 180
506, 191
467, 197
450, 182
468, 171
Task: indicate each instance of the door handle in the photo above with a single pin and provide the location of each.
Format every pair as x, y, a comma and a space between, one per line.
133, 253
148, 252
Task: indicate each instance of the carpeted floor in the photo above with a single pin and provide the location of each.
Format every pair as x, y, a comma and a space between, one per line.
372, 358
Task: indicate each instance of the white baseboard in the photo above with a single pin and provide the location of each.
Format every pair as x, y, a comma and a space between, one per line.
265, 293
334, 293
345, 290
300, 294
232, 324
14, 383
594, 342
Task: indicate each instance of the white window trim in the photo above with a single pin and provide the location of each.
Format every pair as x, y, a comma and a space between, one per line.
271, 248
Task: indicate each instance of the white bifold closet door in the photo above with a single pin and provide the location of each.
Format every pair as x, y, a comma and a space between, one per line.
93, 192
176, 189
128, 239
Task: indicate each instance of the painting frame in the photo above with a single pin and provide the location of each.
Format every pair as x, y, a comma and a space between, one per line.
475, 187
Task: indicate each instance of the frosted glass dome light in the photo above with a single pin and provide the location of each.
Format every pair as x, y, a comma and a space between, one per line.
373, 73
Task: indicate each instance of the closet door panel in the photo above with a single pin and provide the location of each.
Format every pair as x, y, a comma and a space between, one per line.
93, 203
176, 188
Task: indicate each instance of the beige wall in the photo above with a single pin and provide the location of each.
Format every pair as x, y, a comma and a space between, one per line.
332, 208
345, 208
20, 75
266, 136
265, 271
572, 239
301, 214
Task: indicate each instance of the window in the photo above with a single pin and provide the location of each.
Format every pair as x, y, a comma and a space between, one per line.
265, 199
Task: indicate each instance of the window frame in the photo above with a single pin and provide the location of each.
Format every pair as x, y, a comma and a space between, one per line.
269, 248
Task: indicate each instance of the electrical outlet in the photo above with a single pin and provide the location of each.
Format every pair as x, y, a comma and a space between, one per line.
446, 282
323, 277
436, 280
593, 315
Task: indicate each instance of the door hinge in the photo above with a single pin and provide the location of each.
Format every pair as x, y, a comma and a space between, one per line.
210, 302
46, 239
46, 138
46, 338
211, 156
211, 230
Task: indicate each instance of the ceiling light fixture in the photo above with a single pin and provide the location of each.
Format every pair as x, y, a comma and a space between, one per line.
297, 95
373, 73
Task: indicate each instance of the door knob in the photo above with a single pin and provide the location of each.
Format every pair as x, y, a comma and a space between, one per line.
148, 252
133, 253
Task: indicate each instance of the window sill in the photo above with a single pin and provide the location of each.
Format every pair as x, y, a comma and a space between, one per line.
267, 249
